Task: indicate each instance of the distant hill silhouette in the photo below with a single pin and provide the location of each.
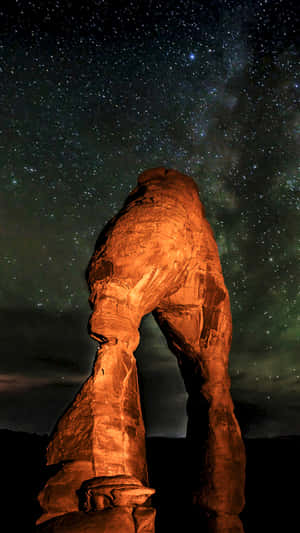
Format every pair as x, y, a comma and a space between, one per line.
271, 499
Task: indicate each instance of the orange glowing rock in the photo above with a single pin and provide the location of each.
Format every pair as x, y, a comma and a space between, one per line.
157, 255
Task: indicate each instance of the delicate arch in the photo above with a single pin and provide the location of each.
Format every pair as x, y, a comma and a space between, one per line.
157, 255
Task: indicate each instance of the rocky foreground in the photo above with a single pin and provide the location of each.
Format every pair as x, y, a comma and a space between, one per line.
271, 477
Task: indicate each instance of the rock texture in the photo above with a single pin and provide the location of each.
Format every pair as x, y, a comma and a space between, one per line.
157, 255
109, 505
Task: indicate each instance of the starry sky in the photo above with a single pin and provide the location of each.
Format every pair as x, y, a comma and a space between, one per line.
91, 95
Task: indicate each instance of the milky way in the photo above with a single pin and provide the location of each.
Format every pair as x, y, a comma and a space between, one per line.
90, 97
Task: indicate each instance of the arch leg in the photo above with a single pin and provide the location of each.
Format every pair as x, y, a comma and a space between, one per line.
200, 336
102, 433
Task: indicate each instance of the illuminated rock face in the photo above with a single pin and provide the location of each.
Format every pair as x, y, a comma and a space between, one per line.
157, 255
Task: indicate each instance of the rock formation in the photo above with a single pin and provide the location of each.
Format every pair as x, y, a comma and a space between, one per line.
159, 255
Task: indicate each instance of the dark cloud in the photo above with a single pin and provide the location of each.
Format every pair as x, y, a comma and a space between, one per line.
45, 344
35, 407
52, 356
46, 357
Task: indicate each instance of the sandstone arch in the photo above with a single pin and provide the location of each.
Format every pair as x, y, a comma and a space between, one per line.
157, 255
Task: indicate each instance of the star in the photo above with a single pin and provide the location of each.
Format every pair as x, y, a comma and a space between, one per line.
91, 101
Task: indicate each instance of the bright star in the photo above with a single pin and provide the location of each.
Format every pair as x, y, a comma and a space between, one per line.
192, 56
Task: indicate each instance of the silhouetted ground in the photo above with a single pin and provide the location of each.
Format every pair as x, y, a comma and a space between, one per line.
272, 495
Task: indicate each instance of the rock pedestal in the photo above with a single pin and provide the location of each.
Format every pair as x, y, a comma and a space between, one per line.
157, 255
109, 504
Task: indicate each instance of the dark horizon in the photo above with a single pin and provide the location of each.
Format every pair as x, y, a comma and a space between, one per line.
268, 481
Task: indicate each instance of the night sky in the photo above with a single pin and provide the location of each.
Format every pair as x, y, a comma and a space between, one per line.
90, 97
